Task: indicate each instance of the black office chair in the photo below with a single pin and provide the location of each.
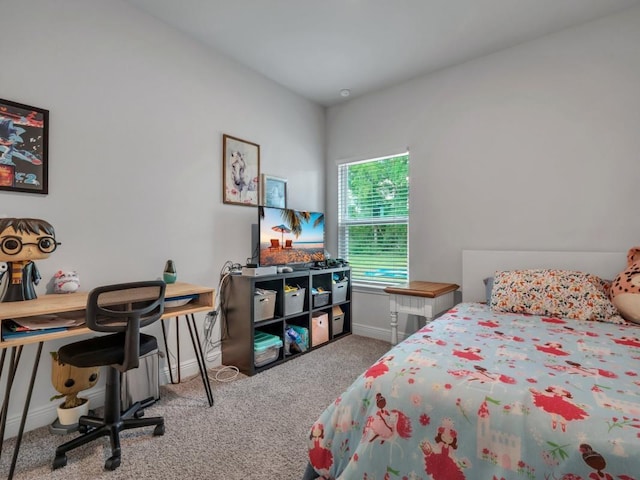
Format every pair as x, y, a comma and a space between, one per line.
122, 308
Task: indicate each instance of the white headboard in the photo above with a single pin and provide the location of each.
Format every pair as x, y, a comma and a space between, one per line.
479, 264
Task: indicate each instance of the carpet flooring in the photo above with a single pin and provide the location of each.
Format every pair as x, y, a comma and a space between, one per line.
257, 429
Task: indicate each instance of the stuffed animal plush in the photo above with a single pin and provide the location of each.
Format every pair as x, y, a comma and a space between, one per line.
625, 289
66, 282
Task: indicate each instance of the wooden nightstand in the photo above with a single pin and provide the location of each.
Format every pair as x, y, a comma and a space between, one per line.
426, 299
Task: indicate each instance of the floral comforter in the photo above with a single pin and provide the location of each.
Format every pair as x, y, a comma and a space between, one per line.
490, 396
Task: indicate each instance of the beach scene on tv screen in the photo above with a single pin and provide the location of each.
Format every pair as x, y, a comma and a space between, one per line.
291, 236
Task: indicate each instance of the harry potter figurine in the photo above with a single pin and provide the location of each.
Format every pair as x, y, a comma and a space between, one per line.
23, 240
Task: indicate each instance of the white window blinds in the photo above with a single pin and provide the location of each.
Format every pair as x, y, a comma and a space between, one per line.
373, 219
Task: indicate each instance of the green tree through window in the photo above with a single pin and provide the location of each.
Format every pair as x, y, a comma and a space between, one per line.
373, 219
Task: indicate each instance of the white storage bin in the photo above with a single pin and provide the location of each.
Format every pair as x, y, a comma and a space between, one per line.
339, 290
264, 304
294, 301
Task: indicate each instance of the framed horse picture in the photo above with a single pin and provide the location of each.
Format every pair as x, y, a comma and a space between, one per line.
240, 171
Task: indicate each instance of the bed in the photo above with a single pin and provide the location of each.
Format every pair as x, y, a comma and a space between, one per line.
482, 394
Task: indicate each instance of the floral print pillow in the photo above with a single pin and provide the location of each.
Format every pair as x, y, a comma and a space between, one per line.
554, 293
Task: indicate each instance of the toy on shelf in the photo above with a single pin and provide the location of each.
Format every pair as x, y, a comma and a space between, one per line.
66, 282
23, 240
170, 275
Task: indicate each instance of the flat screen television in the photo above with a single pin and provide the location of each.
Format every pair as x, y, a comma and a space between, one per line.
290, 237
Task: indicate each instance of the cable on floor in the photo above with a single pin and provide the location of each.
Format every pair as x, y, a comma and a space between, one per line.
224, 373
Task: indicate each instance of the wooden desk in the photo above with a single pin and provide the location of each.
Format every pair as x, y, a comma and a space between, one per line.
76, 302
426, 299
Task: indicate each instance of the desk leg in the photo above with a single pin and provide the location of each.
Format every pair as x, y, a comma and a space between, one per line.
16, 352
166, 347
13, 367
197, 348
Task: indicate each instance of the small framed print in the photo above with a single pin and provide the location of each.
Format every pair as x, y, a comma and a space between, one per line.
24, 137
240, 171
273, 191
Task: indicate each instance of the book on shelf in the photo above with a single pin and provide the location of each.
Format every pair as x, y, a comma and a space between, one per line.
11, 330
46, 322
39, 324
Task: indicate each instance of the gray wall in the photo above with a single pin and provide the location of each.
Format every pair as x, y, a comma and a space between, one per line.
137, 113
534, 147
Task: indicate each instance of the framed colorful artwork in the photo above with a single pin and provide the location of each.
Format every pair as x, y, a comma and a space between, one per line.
240, 171
24, 158
273, 191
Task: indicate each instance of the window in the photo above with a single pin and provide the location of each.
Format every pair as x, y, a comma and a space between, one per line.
373, 219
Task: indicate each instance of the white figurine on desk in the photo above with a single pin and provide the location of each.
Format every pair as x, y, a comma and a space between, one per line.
66, 282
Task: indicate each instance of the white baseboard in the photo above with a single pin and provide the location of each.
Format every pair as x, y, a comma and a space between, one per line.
187, 370
375, 332
44, 415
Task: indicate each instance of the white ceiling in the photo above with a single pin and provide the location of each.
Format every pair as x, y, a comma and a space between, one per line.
318, 47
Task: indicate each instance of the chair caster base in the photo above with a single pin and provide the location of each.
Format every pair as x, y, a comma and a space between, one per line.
112, 463
59, 462
158, 431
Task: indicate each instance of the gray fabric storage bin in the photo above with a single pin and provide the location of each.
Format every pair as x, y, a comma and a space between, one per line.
140, 383
321, 299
